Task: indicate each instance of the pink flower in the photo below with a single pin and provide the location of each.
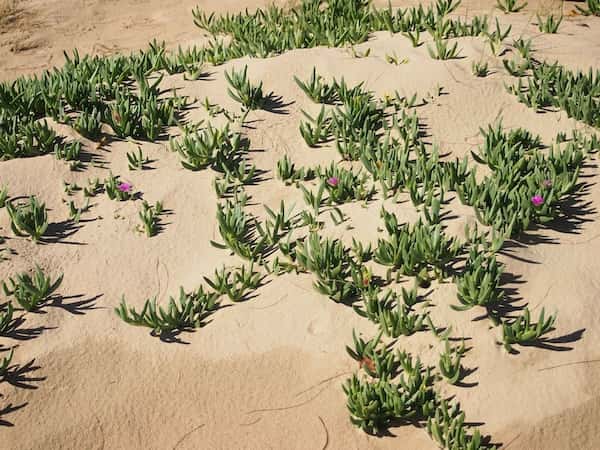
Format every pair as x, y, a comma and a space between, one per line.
537, 200
125, 187
547, 183
333, 181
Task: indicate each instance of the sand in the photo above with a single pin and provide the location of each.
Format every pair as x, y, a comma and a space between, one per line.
267, 373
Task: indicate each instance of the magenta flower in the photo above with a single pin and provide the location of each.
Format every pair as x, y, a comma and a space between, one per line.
547, 183
333, 181
125, 187
537, 200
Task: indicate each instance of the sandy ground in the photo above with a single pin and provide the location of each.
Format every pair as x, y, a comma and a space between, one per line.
267, 373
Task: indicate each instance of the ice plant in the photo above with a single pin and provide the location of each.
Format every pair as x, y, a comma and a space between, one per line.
117, 189
28, 219
537, 200
31, 291
125, 187
332, 181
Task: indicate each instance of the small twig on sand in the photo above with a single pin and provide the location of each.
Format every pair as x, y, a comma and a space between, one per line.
569, 364
326, 433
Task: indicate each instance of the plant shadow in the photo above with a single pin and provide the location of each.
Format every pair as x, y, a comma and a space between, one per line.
8, 409
19, 375
18, 333
275, 104
77, 307
58, 232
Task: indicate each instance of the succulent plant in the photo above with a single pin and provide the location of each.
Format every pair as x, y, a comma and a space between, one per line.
361, 252
75, 212
401, 321
442, 50
523, 47
314, 200
89, 124
5, 363
31, 292
28, 219
343, 185
136, 161
250, 96
149, 215
124, 115
510, 6
554, 85
450, 362
330, 262
479, 284
190, 310
480, 68
593, 8
414, 37
219, 149
316, 90
70, 151
372, 405
377, 362
415, 250
278, 224
522, 331
6, 317
238, 233
550, 24
3, 196
117, 189
316, 130
515, 68
447, 427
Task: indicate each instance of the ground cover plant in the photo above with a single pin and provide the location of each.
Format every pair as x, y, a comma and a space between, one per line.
28, 219
189, 310
382, 154
30, 292
592, 7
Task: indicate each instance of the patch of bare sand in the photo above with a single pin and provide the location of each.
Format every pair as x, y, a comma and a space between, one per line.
266, 373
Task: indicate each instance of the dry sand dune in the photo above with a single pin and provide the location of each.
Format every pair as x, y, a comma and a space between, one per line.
267, 373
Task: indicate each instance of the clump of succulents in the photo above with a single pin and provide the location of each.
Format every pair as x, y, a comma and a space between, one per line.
6, 317
317, 130
238, 232
28, 219
149, 215
592, 8
450, 362
510, 6
117, 189
242, 91
550, 24
443, 50
287, 171
416, 250
220, 149
344, 185
330, 262
316, 90
188, 311
522, 330
235, 283
136, 161
30, 292
480, 69
479, 284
